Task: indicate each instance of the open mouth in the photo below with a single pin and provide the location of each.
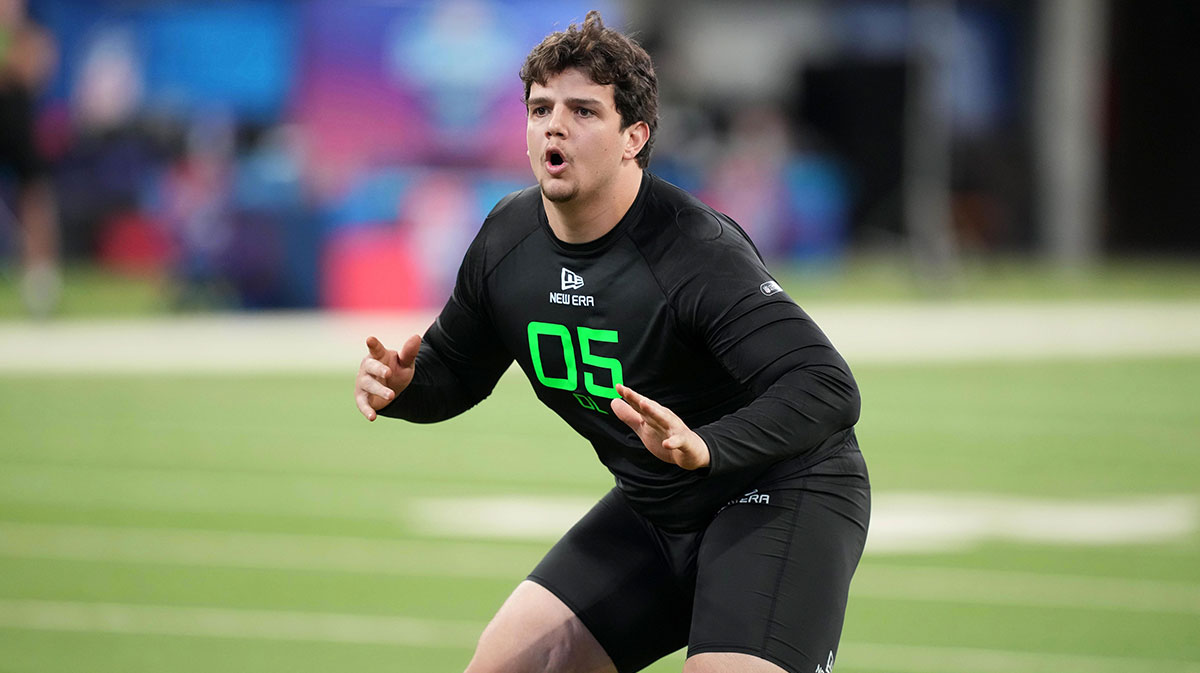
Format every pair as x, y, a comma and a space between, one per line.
555, 158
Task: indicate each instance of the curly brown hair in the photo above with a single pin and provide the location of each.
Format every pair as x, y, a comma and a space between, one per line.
607, 57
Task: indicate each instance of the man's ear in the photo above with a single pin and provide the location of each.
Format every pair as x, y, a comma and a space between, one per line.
636, 137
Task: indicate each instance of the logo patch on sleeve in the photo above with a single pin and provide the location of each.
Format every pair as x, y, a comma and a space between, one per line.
769, 288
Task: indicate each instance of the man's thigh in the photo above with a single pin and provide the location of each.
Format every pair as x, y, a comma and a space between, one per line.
534, 631
611, 571
774, 569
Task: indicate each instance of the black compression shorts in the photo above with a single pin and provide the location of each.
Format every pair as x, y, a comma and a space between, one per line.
768, 576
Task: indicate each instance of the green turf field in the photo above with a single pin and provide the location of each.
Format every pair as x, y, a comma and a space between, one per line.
177, 523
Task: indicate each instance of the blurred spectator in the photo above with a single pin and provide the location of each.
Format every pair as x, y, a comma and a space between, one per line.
197, 192
748, 183
28, 57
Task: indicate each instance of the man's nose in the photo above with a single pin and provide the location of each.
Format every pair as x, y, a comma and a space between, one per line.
555, 125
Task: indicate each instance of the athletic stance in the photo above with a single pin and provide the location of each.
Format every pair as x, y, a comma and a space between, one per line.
647, 321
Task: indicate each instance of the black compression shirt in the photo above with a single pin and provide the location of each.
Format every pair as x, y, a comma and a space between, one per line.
674, 302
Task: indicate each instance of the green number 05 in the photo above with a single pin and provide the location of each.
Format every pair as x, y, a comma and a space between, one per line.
587, 335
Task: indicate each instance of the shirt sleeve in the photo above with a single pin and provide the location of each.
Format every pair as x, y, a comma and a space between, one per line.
804, 395
461, 356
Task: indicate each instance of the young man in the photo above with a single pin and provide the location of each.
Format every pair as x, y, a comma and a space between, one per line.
648, 322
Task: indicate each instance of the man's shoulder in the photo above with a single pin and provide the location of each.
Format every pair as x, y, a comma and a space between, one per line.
511, 220
516, 211
704, 262
520, 203
679, 229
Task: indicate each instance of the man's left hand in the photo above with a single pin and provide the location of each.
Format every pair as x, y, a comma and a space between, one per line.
663, 433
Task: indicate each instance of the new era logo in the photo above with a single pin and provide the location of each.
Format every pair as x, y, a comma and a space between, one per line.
571, 280
769, 288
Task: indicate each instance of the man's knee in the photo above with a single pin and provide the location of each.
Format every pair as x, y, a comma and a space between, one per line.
533, 632
505, 649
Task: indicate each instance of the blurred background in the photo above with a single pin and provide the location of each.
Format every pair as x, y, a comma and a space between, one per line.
323, 154
990, 206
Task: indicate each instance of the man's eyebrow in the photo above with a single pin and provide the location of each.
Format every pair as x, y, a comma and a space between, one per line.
573, 102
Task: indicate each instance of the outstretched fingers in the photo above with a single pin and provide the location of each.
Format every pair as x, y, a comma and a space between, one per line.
378, 372
628, 415
376, 368
364, 406
408, 352
373, 386
659, 417
375, 348
662, 432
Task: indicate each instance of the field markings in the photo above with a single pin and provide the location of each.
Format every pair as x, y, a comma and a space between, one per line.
220, 343
504, 562
273, 551
363, 497
235, 623
921, 522
330, 342
353, 629
900, 522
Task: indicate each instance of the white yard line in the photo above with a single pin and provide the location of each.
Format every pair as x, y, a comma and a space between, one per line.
203, 492
351, 629
320, 342
1011, 331
273, 551
235, 623
217, 343
900, 522
503, 561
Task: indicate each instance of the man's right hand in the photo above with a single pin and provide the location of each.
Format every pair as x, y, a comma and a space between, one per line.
384, 374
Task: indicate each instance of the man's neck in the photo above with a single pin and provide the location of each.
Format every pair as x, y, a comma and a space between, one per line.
580, 221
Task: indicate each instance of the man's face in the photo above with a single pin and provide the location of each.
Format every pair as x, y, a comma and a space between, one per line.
574, 135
